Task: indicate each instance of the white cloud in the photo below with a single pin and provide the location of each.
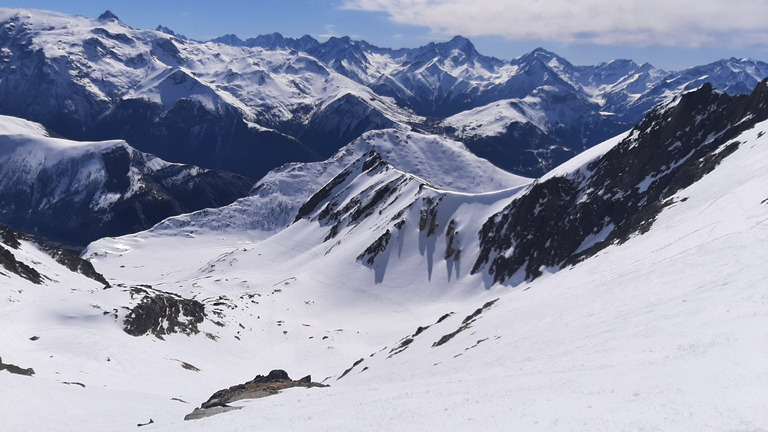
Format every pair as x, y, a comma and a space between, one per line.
330, 31
683, 23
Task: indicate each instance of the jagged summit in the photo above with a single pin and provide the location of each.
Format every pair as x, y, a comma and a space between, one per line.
168, 31
537, 53
459, 50
229, 39
460, 42
278, 41
108, 16
619, 63
272, 41
541, 55
540, 51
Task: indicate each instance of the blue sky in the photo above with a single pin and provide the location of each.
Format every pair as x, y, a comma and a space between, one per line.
671, 34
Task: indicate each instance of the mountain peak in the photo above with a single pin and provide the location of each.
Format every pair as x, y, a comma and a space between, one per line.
457, 45
545, 59
108, 16
541, 52
346, 40
740, 60
166, 30
229, 39
458, 42
538, 54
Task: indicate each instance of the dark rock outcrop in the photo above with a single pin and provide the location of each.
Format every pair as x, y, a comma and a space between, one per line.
67, 257
9, 262
62, 255
332, 204
260, 386
16, 369
371, 252
562, 220
160, 313
465, 324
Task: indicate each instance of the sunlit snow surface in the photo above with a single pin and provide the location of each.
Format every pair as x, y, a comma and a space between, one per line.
665, 332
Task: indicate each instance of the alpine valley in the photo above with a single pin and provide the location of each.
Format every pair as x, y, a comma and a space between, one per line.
432, 238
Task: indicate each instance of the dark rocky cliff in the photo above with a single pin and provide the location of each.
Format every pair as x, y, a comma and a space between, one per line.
563, 220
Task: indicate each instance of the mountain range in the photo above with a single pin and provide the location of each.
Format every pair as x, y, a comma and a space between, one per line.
432, 238
251, 106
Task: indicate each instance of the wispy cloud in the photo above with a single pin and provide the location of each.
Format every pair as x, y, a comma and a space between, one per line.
683, 23
330, 31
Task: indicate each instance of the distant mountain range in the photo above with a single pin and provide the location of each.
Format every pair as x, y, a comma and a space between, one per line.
251, 106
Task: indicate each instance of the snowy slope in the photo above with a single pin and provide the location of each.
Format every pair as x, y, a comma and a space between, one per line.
666, 331
607, 345
663, 331
494, 119
17, 126
276, 198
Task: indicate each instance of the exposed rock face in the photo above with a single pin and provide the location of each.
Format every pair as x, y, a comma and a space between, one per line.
75, 263
336, 205
377, 247
9, 262
9, 237
12, 239
16, 369
260, 386
465, 324
160, 314
565, 219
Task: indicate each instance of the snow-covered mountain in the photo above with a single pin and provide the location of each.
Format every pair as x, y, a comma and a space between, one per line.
549, 110
621, 286
77, 192
276, 199
235, 108
251, 106
558, 109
